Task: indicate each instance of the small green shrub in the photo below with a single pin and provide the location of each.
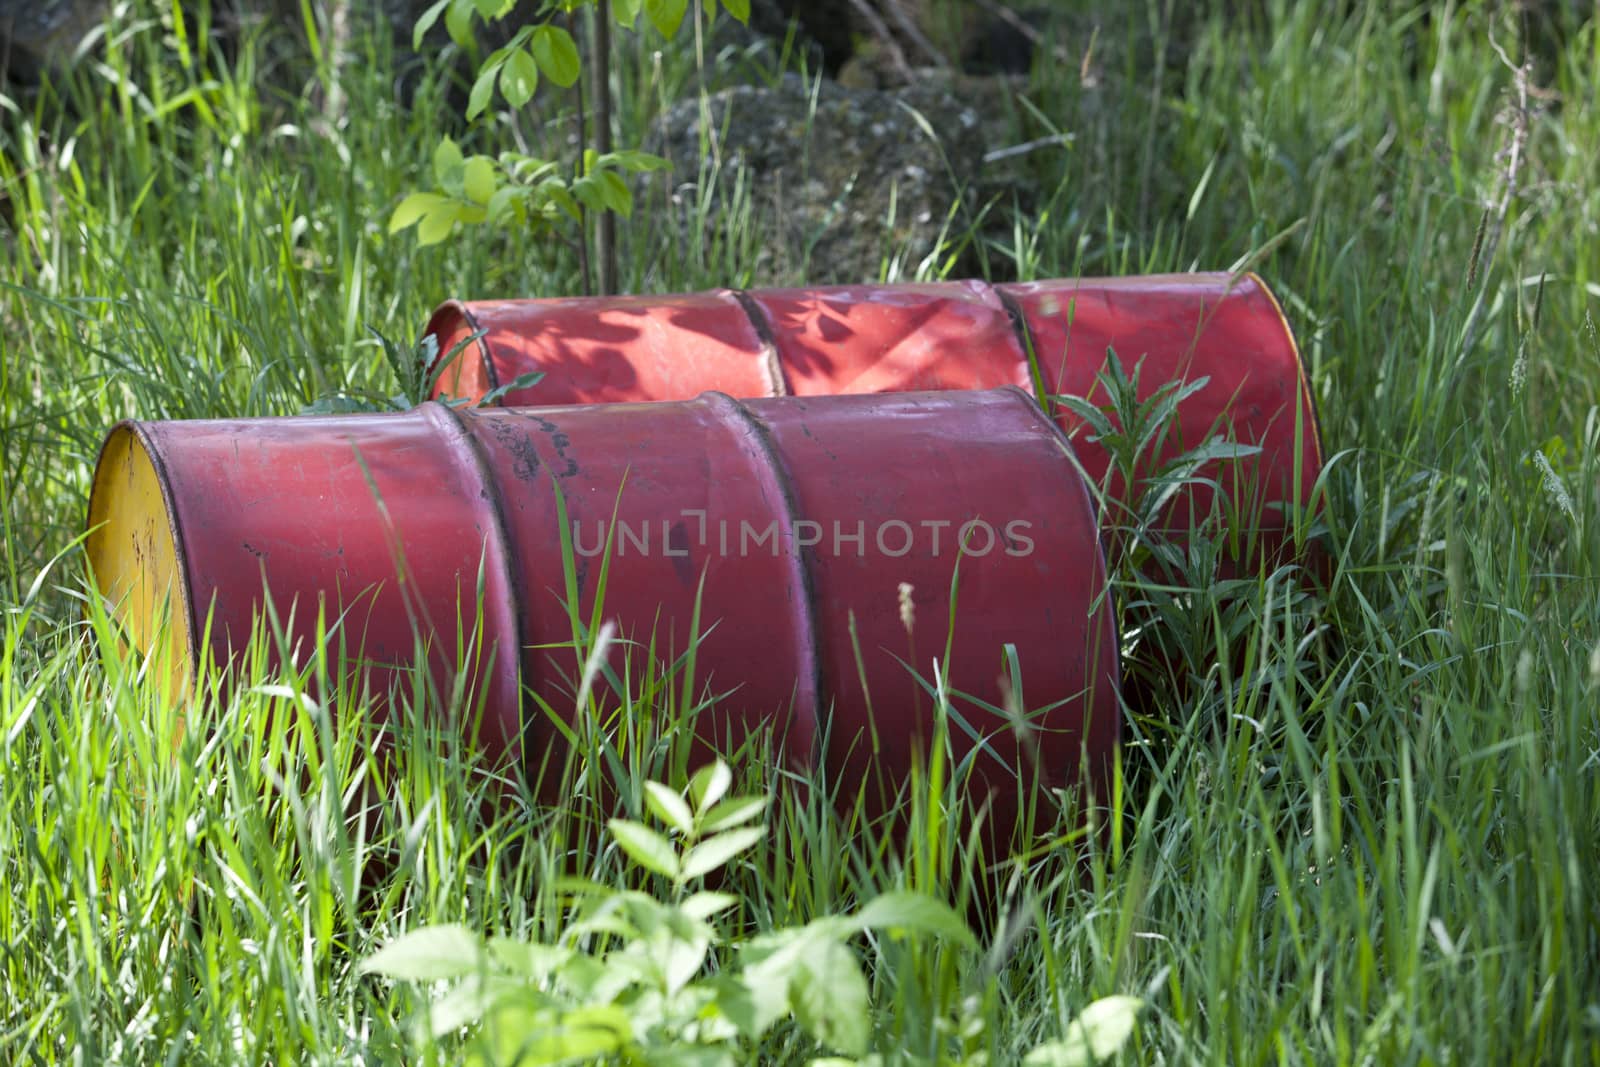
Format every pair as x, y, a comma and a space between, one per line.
661, 979
515, 187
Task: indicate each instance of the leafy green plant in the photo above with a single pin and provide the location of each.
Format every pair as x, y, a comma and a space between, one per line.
517, 187
1134, 431
514, 186
1185, 609
661, 980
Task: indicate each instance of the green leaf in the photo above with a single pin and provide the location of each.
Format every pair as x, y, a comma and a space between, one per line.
615, 193
466, 1003
709, 784
411, 209
732, 812
438, 222
528, 169
592, 1031
739, 9
557, 54
515, 385
579, 889
478, 179
634, 160
525, 1030
507, 200
482, 90
669, 807
1099, 422
498, 57
458, 20
916, 912
713, 852
428, 954
829, 997
529, 958
555, 192
491, 9
625, 12
1093, 1037
694, 1056
751, 1006
583, 975
666, 15
589, 193
679, 958
608, 923
425, 23
447, 163
519, 78
704, 904
646, 847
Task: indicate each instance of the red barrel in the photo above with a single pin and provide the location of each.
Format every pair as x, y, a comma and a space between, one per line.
1225, 328
802, 519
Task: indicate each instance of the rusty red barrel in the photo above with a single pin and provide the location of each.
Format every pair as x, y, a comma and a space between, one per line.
1227, 329
802, 518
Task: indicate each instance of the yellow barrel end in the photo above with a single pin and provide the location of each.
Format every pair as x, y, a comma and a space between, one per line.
134, 554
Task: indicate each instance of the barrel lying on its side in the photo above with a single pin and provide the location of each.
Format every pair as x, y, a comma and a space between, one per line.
1227, 329
794, 521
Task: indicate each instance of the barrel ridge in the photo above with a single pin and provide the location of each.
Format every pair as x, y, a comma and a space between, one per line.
734, 413
464, 443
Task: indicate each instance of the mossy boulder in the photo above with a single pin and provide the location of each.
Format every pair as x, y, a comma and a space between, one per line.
841, 177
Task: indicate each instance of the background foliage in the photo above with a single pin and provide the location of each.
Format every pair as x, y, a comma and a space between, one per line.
1367, 834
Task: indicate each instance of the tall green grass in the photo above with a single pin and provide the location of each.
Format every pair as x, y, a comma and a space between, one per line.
1367, 831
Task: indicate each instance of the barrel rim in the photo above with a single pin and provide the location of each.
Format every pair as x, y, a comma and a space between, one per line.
141, 433
462, 309
1307, 396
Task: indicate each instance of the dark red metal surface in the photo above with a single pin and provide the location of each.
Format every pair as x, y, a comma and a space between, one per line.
801, 517
607, 349
956, 335
890, 338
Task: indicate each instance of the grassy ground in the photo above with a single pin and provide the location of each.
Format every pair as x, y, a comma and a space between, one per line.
1381, 844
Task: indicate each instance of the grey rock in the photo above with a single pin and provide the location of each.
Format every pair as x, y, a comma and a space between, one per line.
837, 181
42, 35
